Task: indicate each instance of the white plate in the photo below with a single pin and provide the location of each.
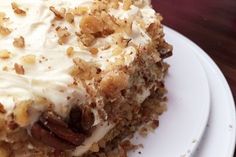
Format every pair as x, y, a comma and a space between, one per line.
188, 108
220, 135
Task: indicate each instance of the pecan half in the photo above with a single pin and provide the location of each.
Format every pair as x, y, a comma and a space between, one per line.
81, 120
61, 129
165, 50
48, 138
55, 132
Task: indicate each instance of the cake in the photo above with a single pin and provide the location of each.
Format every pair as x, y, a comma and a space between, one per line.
79, 77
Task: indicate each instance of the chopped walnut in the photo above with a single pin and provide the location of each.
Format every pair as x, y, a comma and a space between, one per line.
21, 112
17, 10
4, 31
84, 70
93, 50
127, 4
59, 14
19, 69
70, 51
113, 82
2, 110
80, 11
86, 39
69, 17
90, 24
19, 42
63, 35
29, 59
125, 26
4, 54
110, 25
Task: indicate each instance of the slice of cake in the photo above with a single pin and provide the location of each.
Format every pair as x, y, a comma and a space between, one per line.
77, 77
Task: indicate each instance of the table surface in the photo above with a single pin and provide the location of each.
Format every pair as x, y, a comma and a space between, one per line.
211, 24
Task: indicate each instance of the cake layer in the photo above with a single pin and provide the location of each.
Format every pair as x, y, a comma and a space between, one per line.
58, 56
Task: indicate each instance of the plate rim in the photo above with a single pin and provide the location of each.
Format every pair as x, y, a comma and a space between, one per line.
203, 55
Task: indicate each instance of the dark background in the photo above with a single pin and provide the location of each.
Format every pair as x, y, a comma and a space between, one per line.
211, 24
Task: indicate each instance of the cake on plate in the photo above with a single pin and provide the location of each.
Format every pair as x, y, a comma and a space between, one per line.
79, 77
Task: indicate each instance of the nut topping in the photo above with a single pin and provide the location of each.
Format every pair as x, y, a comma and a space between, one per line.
4, 54
85, 118
4, 31
59, 15
63, 35
48, 138
19, 69
17, 10
165, 51
56, 125
55, 132
19, 42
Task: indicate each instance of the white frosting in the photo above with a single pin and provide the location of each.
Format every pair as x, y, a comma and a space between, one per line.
50, 77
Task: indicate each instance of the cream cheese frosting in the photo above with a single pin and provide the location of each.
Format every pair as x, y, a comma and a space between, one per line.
49, 76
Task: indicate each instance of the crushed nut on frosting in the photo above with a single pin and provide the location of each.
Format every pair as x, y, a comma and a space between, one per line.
21, 112
19, 69
17, 10
70, 51
93, 50
63, 35
19, 42
29, 59
113, 83
4, 54
86, 39
91, 24
59, 14
4, 31
69, 17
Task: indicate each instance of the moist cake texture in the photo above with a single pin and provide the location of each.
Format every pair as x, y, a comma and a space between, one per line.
77, 77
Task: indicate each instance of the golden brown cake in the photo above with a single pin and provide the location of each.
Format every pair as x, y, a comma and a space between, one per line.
77, 77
